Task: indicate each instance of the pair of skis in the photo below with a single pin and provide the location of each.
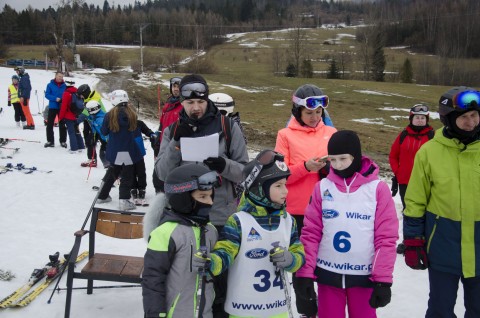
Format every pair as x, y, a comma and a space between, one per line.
46, 275
21, 167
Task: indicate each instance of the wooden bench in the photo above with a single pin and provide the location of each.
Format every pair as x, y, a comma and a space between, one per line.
107, 267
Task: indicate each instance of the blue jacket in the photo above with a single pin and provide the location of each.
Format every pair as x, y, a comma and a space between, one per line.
53, 91
95, 121
24, 86
122, 146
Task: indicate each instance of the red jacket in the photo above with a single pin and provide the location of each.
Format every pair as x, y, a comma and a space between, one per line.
65, 112
402, 155
298, 144
169, 115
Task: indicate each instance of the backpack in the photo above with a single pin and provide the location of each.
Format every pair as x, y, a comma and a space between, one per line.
404, 134
76, 105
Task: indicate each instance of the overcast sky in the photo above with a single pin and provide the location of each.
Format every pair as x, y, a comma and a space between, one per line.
20, 5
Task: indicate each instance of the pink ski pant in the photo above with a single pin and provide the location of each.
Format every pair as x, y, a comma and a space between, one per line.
332, 302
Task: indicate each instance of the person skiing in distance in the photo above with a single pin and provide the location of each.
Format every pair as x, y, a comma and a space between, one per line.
258, 243
351, 219
123, 151
24, 89
441, 223
68, 118
54, 92
170, 113
404, 149
14, 100
94, 121
171, 288
89, 136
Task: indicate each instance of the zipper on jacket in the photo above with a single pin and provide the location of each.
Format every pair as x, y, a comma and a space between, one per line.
433, 232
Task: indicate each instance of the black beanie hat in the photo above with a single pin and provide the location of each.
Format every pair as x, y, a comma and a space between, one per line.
194, 78
346, 142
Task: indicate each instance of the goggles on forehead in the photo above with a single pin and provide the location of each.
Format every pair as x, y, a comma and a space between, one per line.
193, 90
312, 102
175, 80
466, 100
206, 181
264, 158
420, 109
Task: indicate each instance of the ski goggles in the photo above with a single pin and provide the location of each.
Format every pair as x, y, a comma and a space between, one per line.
312, 102
175, 80
466, 100
194, 90
264, 158
207, 181
420, 109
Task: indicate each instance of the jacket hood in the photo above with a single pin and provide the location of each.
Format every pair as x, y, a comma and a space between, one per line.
71, 89
295, 125
453, 142
171, 216
368, 172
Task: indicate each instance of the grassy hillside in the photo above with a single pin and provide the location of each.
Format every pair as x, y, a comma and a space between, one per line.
245, 71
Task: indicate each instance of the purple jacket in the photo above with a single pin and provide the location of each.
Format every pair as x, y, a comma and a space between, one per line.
385, 226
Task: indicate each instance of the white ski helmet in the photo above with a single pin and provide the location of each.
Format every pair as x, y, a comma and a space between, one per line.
119, 96
93, 107
224, 102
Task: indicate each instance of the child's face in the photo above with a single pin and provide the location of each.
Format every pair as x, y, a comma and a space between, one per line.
203, 196
278, 191
341, 162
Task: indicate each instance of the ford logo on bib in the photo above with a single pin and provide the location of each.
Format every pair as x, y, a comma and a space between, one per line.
256, 253
330, 214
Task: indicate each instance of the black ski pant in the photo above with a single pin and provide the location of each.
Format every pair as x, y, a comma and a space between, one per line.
19, 115
52, 113
91, 143
140, 175
126, 172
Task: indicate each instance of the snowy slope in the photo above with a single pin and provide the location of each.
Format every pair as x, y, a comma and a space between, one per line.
40, 212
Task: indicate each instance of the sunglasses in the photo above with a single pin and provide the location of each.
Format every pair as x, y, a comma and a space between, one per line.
264, 158
175, 80
193, 90
466, 100
312, 102
419, 108
207, 181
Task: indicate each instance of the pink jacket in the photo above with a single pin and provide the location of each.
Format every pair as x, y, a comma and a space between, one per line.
298, 144
385, 224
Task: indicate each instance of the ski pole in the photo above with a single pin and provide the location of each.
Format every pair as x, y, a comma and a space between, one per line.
19, 139
43, 101
280, 272
93, 156
38, 104
201, 291
83, 227
58, 289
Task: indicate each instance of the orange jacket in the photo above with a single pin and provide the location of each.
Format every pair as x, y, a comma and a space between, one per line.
298, 144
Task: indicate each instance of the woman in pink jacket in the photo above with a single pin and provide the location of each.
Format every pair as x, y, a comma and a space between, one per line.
349, 236
304, 145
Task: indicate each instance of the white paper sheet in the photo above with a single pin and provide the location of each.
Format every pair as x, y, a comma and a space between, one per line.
199, 148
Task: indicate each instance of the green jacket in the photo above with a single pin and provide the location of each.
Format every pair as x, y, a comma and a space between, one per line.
442, 204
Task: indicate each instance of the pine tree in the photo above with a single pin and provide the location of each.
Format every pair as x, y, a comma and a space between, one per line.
378, 60
291, 71
306, 69
406, 73
333, 69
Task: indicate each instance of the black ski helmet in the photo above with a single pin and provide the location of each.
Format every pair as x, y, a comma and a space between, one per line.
267, 168
302, 92
174, 80
456, 102
84, 90
185, 179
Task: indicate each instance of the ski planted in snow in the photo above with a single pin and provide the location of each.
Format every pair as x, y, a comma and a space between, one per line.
52, 275
35, 277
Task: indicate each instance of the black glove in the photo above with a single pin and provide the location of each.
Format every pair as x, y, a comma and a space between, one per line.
182, 130
381, 295
394, 186
306, 296
9, 103
217, 164
153, 140
322, 173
